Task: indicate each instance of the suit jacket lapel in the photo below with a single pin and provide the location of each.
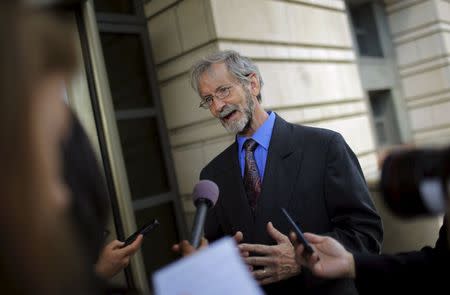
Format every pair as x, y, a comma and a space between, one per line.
282, 167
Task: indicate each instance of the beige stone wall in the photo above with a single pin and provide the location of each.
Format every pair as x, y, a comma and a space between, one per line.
421, 36
305, 53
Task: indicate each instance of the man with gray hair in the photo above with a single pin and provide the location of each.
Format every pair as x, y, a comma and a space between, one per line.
272, 164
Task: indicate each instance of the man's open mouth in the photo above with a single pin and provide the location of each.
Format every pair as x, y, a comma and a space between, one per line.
228, 116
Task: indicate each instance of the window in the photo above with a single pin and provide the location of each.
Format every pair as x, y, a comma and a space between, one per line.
365, 29
384, 118
127, 73
144, 160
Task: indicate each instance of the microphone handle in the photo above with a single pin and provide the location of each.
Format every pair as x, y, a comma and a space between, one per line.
199, 222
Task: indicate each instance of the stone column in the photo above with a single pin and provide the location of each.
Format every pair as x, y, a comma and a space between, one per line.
421, 36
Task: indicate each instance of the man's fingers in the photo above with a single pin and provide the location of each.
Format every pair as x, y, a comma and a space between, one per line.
299, 255
293, 238
300, 248
268, 280
257, 248
176, 248
261, 274
245, 254
238, 237
259, 260
275, 234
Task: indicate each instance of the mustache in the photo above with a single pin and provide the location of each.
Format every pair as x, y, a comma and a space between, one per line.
228, 109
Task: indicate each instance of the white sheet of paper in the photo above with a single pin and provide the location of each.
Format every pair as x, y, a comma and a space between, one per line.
217, 270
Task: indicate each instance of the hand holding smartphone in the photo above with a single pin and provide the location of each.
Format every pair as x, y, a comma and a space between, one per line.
145, 229
308, 251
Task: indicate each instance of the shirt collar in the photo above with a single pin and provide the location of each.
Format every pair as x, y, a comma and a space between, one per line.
262, 135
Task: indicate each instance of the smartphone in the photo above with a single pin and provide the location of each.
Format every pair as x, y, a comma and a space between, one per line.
145, 229
301, 238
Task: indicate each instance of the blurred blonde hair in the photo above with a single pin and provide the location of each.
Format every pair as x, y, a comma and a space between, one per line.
37, 257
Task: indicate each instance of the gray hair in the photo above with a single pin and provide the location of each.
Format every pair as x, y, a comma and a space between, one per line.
239, 67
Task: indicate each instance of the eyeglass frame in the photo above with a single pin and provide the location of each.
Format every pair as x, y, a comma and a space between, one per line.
207, 105
207, 101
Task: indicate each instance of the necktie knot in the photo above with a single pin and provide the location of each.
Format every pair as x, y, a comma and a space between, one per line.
250, 145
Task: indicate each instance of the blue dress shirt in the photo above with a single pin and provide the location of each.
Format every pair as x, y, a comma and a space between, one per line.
262, 136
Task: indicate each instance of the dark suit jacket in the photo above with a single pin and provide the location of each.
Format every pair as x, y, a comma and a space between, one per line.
314, 174
90, 200
416, 272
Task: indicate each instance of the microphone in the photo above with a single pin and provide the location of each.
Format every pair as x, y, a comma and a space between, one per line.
205, 196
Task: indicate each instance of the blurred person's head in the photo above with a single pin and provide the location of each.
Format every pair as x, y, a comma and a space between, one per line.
39, 254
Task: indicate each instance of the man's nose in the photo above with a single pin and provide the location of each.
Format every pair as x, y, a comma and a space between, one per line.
218, 104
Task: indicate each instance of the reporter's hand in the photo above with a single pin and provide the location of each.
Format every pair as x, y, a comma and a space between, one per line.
185, 248
329, 260
114, 257
278, 260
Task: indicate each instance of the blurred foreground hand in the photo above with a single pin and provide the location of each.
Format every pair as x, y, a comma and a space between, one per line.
114, 257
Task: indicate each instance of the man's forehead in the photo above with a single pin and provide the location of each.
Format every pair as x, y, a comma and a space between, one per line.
216, 75
217, 69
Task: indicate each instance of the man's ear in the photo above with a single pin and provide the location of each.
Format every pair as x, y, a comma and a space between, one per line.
255, 87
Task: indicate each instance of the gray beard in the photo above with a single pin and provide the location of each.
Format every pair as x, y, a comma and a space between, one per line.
241, 125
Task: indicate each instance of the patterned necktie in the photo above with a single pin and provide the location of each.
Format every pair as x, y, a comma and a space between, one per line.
252, 181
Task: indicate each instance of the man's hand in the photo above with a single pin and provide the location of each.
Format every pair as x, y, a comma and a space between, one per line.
114, 257
329, 260
238, 237
278, 260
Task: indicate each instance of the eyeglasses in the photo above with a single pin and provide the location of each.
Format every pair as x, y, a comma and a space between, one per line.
220, 94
